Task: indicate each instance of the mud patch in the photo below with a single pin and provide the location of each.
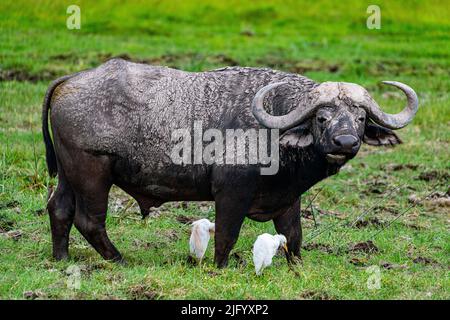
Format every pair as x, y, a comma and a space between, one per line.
247, 33
434, 175
435, 199
170, 234
240, 260
398, 68
13, 234
386, 209
377, 186
185, 219
177, 60
148, 245
60, 61
34, 295
310, 212
6, 224
365, 247
370, 222
318, 246
359, 262
413, 226
392, 266
24, 75
426, 261
191, 261
39, 212
143, 292
315, 295
9, 204
296, 66
399, 167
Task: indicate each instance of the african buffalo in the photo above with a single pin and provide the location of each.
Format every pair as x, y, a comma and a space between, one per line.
113, 125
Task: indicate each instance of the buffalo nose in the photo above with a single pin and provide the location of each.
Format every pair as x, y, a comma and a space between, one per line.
346, 142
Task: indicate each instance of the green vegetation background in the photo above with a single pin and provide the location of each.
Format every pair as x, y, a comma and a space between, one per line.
324, 40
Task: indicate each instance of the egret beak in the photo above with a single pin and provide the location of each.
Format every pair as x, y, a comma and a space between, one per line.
285, 248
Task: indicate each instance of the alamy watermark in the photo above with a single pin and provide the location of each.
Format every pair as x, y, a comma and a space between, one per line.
374, 279
227, 147
74, 277
74, 19
374, 20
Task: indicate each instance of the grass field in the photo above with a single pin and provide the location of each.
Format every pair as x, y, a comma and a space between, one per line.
322, 40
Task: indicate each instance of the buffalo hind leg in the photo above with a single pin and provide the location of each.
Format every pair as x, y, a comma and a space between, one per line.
90, 220
91, 184
289, 225
61, 208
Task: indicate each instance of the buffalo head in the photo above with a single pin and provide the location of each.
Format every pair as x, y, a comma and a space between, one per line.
336, 117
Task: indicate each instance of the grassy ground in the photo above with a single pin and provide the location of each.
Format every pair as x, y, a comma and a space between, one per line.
323, 40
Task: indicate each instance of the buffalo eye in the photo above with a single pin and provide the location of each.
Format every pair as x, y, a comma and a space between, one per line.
361, 118
322, 119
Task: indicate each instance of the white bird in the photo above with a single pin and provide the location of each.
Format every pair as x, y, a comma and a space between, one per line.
200, 235
265, 247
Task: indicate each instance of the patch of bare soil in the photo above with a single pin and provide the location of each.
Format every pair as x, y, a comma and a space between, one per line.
176, 60
24, 75
9, 204
170, 234
148, 245
34, 295
6, 224
307, 214
376, 186
434, 175
398, 167
315, 295
185, 219
191, 261
312, 211
413, 226
392, 266
247, 33
318, 246
143, 292
366, 247
297, 66
88, 269
213, 273
39, 212
387, 208
359, 262
435, 199
241, 262
372, 221
13, 234
397, 68
426, 261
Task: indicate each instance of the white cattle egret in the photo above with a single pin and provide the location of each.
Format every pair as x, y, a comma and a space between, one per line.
265, 247
200, 235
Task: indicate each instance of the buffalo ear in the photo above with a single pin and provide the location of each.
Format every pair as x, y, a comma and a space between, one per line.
376, 135
298, 137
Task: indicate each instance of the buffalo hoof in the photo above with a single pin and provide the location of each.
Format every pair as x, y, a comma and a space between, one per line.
294, 260
61, 256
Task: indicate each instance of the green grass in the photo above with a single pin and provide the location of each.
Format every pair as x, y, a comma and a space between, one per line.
323, 40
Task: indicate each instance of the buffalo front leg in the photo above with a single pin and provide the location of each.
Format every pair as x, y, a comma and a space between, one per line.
289, 224
230, 213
